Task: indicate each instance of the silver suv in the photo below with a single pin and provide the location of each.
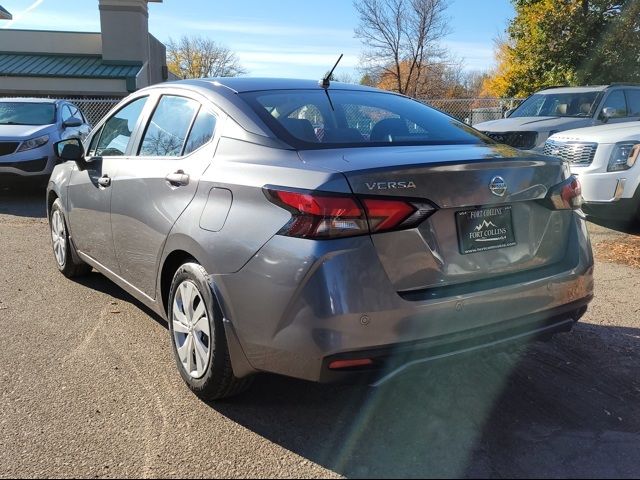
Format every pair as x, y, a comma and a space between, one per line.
281, 226
28, 129
563, 108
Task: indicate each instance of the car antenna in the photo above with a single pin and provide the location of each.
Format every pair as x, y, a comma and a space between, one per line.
326, 81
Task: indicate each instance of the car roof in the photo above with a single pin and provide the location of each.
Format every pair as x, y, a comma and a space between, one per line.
252, 84
594, 88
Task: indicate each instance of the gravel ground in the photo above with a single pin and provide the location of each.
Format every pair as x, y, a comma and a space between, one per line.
89, 389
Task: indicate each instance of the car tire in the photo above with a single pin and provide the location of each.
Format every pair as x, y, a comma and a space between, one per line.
63, 250
198, 338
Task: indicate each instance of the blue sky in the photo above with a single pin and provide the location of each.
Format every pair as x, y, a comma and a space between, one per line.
291, 38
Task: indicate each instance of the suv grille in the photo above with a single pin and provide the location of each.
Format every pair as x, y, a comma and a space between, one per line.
7, 148
576, 153
524, 140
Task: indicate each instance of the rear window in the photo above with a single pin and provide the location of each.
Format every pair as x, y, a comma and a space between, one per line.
23, 113
309, 119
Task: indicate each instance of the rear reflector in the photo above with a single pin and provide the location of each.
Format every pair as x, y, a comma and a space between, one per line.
322, 215
340, 364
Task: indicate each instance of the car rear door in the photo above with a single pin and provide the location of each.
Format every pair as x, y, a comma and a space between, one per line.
153, 187
89, 191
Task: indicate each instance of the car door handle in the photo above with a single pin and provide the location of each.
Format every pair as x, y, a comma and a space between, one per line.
104, 181
178, 179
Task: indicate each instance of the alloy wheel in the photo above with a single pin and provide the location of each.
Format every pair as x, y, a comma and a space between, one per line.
59, 238
191, 329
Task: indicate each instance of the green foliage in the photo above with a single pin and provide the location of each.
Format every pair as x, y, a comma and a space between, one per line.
567, 42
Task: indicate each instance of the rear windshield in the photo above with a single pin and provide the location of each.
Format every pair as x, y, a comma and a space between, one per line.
21, 113
309, 119
557, 105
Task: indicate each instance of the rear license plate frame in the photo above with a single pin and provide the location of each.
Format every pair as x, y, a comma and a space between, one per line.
485, 228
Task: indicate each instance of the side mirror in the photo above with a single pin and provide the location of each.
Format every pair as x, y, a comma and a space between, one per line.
607, 113
72, 122
508, 113
71, 149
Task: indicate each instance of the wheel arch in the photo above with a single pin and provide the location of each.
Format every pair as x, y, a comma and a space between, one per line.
52, 196
172, 262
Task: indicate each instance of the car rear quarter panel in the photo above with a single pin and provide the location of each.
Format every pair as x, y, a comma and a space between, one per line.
244, 169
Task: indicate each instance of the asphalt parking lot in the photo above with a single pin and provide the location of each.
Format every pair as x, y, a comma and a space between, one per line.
89, 389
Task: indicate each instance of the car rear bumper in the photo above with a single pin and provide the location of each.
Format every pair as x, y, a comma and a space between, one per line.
390, 361
611, 196
299, 305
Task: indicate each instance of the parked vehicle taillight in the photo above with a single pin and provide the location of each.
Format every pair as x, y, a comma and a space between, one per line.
332, 215
566, 195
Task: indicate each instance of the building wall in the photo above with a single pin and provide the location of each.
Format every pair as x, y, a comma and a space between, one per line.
157, 60
59, 87
41, 41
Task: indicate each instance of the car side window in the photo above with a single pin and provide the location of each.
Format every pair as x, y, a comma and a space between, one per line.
167, 130
91, 152
633, 102
65, 113
75, 112
116, 132
201, 132
616, 101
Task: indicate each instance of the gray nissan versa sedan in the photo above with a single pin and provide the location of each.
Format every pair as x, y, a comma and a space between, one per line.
318, 231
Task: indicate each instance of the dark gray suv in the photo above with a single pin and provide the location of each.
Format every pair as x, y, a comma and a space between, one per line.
318, 232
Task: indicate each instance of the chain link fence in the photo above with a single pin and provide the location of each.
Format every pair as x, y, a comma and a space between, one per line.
468, 110
474, 110
94, 108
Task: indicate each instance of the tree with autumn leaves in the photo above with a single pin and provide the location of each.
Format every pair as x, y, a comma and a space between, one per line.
567, 42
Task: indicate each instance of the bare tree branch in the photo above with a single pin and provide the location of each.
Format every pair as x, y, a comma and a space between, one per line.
199, 57
401, 38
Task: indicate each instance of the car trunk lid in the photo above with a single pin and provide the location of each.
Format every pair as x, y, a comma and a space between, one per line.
478, 230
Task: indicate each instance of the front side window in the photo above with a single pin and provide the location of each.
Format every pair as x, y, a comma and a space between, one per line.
617, 102
116, 132
574, 104
338, 118
201, 132
65, 114
633, 102
23, 113
168, 127
91, 151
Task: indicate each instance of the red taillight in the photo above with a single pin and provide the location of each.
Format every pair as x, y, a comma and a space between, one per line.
567, 195
315, 215
342, 364
386, 215
329, 215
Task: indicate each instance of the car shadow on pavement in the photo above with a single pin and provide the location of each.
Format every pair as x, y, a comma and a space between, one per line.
566, 408
26, 203
629, 228
98, 282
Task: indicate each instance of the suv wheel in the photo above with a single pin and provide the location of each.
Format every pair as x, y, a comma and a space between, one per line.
62, 246
197, 337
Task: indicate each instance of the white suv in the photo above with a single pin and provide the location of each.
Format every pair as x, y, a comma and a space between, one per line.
559, 109
605, 160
